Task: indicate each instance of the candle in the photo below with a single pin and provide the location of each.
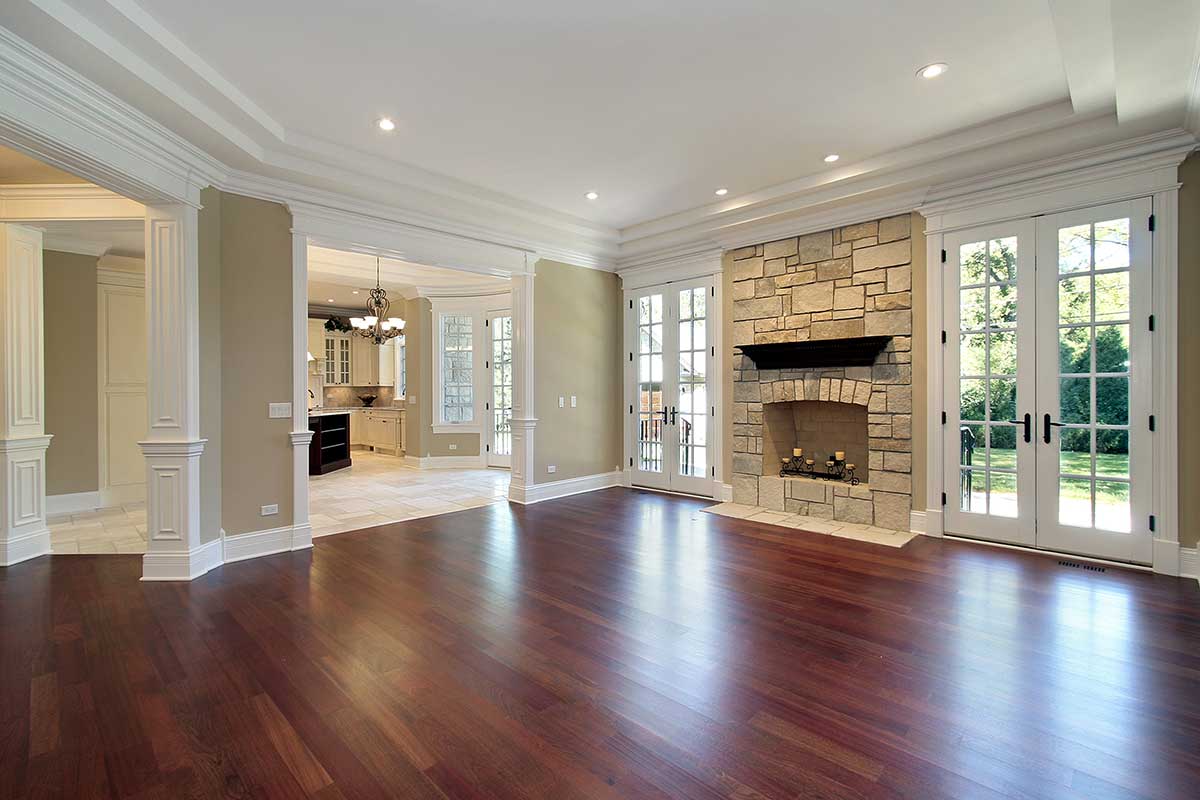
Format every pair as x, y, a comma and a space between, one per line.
840, 455
797, 451
809, 461
849, 466
829, 463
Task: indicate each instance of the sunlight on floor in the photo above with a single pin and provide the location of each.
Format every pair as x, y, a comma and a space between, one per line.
379, 489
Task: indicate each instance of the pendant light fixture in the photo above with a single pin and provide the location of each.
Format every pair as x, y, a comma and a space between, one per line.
377, 326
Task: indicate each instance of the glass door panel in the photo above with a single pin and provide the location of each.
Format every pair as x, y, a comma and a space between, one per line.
500, 366
691, 412
1094, 298
990, 374
650, 404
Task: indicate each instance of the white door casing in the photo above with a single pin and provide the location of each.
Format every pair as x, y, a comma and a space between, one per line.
498, 404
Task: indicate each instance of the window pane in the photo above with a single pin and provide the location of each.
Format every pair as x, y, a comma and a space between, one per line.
1112, 297
1112, 454
1075, 350
1112, 244
458, 385
1112, 348
1075, 400
1075, 299
1002, 259
971, 258
972, 314
1075, 502
1112, 506
1075, 249
1112, 401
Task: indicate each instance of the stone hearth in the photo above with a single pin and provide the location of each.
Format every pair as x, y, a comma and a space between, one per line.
849, 282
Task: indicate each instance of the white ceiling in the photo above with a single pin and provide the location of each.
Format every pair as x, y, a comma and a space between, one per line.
525, 105
341, 279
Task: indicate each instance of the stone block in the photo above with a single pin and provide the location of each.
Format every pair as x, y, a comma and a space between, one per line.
842, 249
774, 266
893, 228
834, 268
812, 297
747, 269
902, 426
892, 511
747, 392
861, 492
795, 506
762, 325
859, 231
747, 464
744, 252
882, 481
770, 492
882, 431
870, 241
892, 254
836, 329
806, 489
779, 249
758, 308
741, 412
875, 276
743, 290
849, 313
816, 247
820, 510
875, 460
745, 490
776, 337
862, 393
897, 462
764, 287
880, 323
891, 302
847, 395
743, 332
851, 509
850, 297
899, 279
899, 399
876, 405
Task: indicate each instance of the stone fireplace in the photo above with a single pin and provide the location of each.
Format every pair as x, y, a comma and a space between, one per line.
805, 307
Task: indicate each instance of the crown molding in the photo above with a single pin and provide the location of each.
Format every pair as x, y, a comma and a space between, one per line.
71, 244
120, 277
68, 201
680, 264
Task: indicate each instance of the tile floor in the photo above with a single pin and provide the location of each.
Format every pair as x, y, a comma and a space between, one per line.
380, 488
121, 529
845, 530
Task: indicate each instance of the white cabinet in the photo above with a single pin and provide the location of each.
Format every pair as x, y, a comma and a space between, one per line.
372, 364
382, 429
337, 359
316, 340
358, 421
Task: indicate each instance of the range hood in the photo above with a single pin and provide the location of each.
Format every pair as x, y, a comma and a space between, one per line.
859, 351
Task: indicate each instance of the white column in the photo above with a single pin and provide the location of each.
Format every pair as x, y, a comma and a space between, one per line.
523, 420
173, 445
23, 439
301, 436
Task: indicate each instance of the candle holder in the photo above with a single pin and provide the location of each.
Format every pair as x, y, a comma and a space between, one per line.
835, 468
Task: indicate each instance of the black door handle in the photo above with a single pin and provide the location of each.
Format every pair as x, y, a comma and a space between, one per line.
664, 413
673, 422
1046, 425
1028, 423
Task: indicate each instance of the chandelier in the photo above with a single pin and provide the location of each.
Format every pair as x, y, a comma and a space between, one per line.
377, 326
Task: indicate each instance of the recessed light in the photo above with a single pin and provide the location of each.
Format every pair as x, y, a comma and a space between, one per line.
330, 300
354, 291
386, 124
832, 157
932, 70
591, 195
721, 192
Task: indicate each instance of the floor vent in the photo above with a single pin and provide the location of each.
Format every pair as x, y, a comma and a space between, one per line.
1077, 565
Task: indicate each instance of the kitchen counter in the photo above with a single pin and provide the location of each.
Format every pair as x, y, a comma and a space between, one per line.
320, 412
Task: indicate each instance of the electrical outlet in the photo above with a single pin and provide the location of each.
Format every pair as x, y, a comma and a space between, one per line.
453, 447
573, 403
562, 402
271, 509
279, 410
551, 469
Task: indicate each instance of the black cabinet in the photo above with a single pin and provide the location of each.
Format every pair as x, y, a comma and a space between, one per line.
330, 448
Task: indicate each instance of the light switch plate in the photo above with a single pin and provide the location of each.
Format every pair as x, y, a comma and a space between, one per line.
551, 469
453, 447
279, 410
271, 509
573, 403
562, 401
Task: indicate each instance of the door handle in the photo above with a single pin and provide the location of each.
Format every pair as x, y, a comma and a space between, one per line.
673, 415
1028, 423
1046, 425
664, 413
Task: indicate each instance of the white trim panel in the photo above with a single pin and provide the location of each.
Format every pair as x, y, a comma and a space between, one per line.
568, 487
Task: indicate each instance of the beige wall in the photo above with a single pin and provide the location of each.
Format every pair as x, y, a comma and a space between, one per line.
577, 351
72, 395
210, 364
256, 355
1189, 351
920, 374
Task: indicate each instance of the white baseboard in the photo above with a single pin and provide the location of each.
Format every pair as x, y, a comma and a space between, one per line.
72, 503
1189, 563
564, 488
1165, 557
725, 492
24, 547
265, 543
933, 523
182, 566
917, 521
446, 462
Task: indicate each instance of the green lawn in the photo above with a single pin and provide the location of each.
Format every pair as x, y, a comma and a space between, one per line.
1110, 464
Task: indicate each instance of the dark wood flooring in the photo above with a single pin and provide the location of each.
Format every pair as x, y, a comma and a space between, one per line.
613, 645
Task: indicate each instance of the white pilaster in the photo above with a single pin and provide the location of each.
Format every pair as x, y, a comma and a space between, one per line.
23, 439
301, 436
524, 422
173, 445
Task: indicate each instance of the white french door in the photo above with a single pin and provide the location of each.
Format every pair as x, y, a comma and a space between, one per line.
671, 409
1048, 382
499, 403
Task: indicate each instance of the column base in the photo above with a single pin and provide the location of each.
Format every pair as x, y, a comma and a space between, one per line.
23, 530
182, 566
30, 545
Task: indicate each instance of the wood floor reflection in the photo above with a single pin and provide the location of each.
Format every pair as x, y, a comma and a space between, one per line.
611, 645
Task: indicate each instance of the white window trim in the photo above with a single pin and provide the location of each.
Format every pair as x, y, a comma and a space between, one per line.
400, 368
478, 308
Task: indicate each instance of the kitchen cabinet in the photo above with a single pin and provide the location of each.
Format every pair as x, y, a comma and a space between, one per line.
329, 449
372, 364
316, 341
358, 422
337, 359
383, 430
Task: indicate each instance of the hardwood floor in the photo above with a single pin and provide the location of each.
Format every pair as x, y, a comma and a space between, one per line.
612, 645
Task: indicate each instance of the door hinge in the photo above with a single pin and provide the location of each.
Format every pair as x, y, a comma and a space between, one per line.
631, 408
943, 337
712, 291
943, 417
1150, 223
943, 256
487, 365
1151, 322
631, 305
714, 351
488, 448
714, 472
943, 498
487, 322
1152, 521
714, 411
1152, 423
631, 462
487, 406
631, 356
